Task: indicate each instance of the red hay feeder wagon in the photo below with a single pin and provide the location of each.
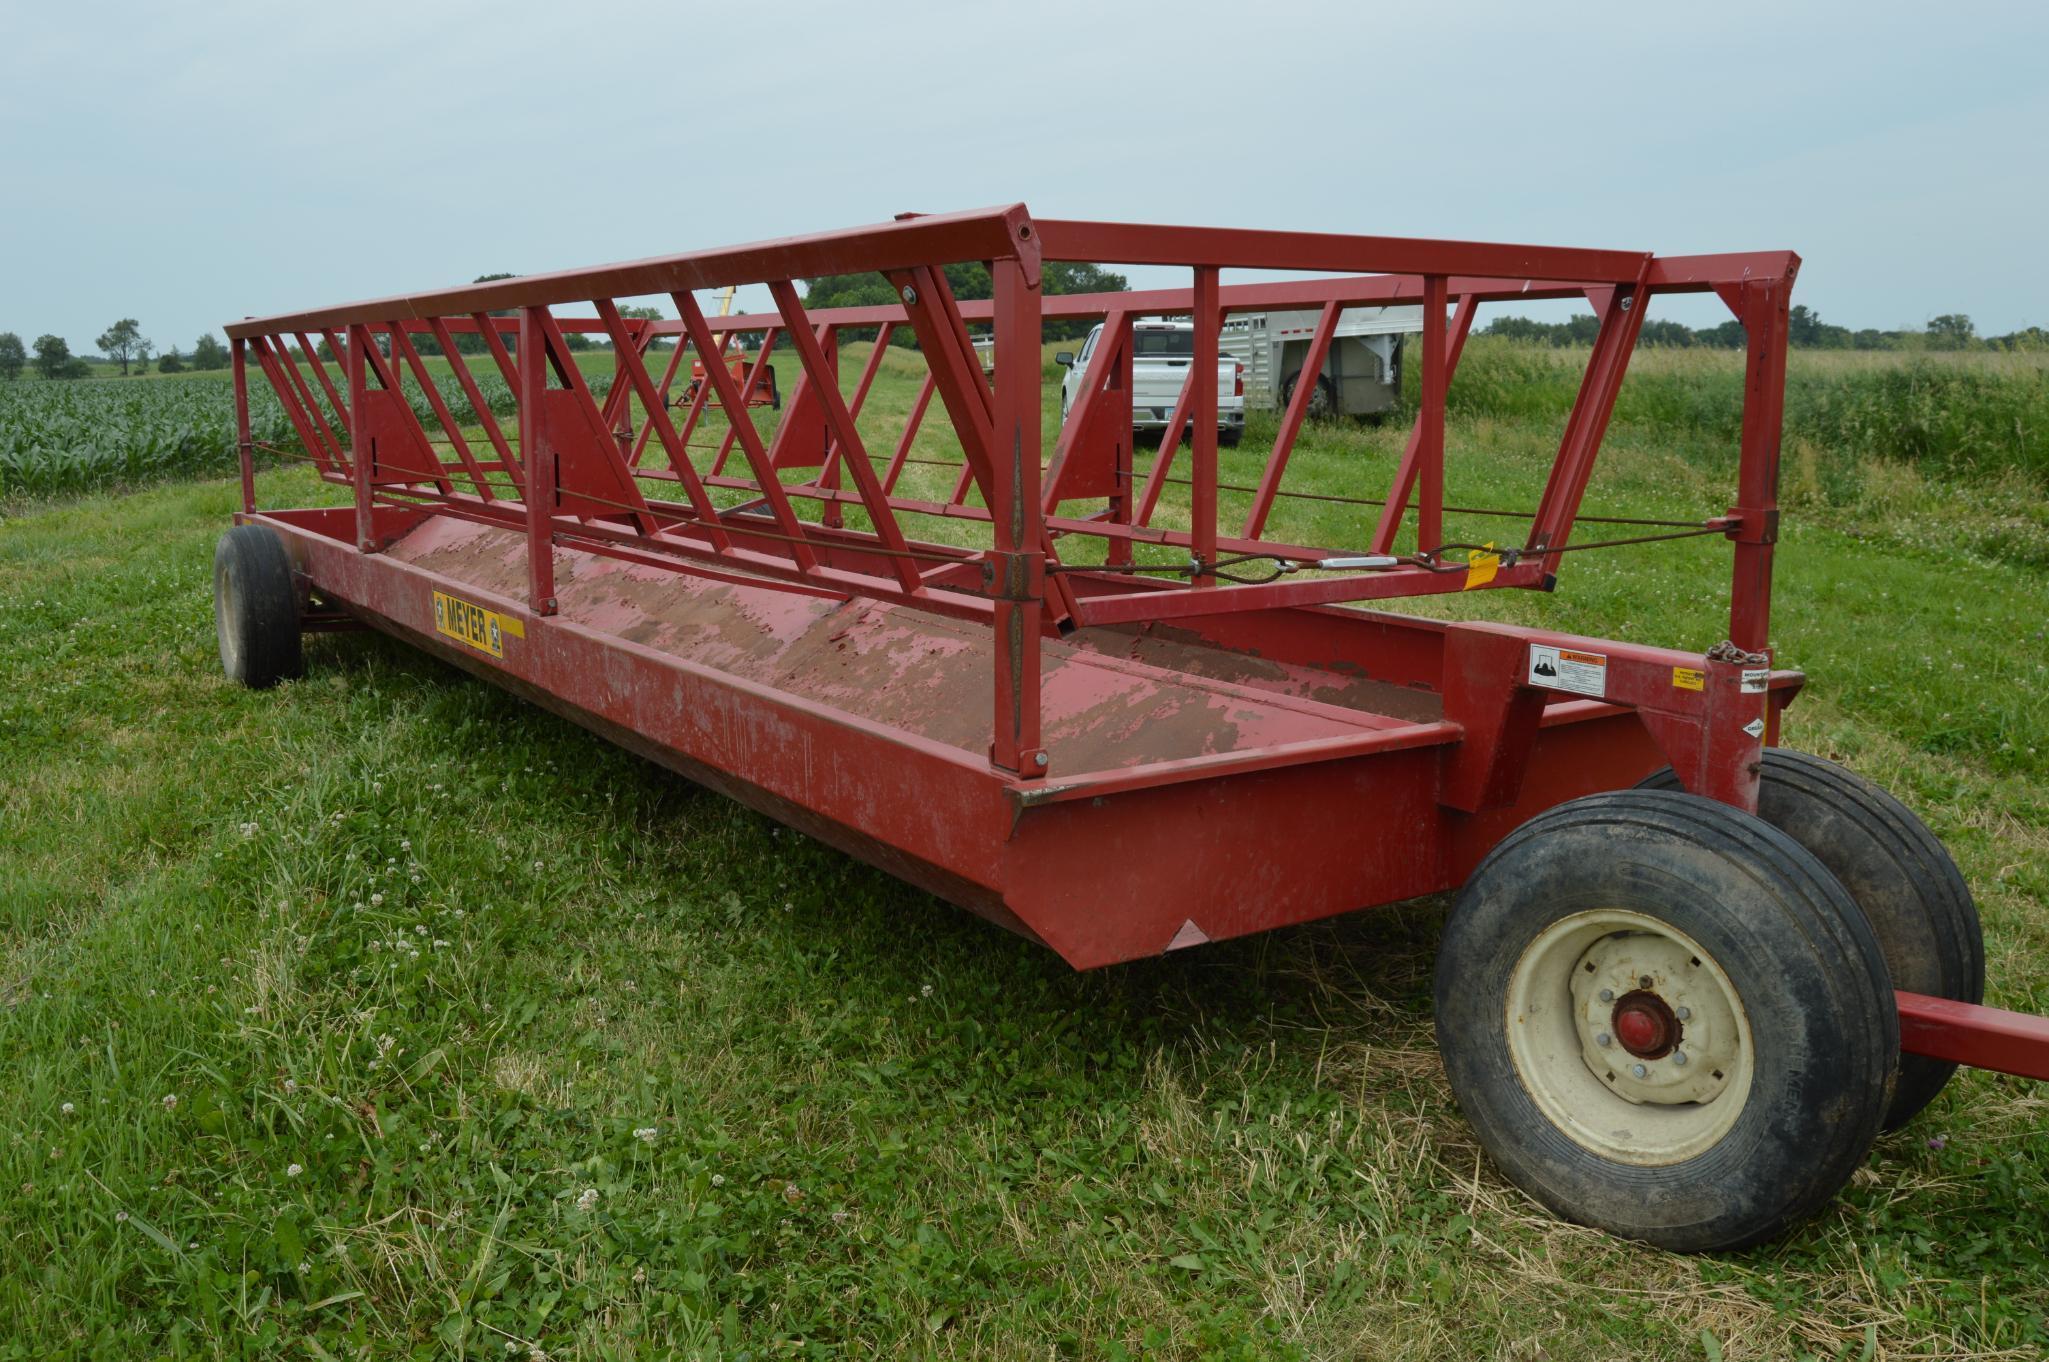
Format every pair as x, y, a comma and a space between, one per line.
1666, 994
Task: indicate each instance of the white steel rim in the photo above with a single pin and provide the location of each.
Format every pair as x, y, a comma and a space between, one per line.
226, 611
1596, 983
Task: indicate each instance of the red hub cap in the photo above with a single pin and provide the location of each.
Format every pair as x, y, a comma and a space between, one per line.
1645, 1026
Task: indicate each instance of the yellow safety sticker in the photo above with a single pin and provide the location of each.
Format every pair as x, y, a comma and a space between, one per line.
484, 630
1689, 678
1481, 567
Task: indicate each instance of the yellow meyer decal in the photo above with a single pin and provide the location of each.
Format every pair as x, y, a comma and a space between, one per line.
1481, 567
484, 630
1689, 678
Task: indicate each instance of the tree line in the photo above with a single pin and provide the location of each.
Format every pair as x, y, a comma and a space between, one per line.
969, 281
122, 343
1805, 330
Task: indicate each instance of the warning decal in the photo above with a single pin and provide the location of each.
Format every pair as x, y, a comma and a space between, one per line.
1756, 680
1568, 669
1689, 678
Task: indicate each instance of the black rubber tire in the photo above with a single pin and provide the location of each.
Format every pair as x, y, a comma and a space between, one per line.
1229, 437
1900, 875
1322, 406
1807, 968
256, 608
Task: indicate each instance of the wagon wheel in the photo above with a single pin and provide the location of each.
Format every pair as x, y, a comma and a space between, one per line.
256, 608
1666, 1019
1894, 867
1323, 403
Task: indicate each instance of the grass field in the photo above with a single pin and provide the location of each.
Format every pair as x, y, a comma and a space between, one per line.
385, 1015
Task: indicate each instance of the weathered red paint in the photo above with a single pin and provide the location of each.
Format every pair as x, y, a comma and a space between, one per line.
1111, 764
1982, 1037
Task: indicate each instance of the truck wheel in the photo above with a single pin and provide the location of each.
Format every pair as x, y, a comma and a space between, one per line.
1666, 1019
1323, 403
1901, 877
1230, 436
256, 608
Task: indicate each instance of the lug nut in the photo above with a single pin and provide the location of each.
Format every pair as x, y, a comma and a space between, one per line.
1639, 1070
1645, 982
1678, 1056
1604, 1040
1685, 1014
1607, 995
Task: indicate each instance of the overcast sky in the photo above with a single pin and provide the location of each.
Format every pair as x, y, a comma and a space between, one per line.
189, 164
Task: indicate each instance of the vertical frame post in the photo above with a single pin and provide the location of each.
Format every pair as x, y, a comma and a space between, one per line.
539, 458
245, 445
829, 513
1117, 553
1430, 420
362, 443
1765, 324
1202, 492
1017, 563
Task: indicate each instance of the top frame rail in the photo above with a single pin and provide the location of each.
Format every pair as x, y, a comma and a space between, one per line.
399, 398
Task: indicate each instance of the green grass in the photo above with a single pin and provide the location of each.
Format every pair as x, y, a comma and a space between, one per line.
1968, 413
446, 955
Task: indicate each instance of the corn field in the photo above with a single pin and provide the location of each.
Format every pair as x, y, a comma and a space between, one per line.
63, 438
70, 437
1969, 418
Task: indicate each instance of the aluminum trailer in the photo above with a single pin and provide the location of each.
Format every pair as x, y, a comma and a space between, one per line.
1361, 372
1689, 974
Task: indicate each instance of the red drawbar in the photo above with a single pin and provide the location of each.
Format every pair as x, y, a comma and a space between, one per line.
1982, 1037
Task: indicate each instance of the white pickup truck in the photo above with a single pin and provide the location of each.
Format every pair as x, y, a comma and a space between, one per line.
1161, 351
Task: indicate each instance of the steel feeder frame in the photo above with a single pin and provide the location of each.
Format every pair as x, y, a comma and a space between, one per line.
1141, 765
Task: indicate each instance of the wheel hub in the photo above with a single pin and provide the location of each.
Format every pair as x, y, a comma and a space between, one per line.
1629, 1037
1655, 1025
1645, 1026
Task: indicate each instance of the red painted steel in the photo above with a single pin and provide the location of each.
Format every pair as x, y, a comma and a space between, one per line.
1982, 1037
1291, 421
1397, 503
1052, 680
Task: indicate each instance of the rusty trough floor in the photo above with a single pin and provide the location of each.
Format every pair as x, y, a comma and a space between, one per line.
1112, 698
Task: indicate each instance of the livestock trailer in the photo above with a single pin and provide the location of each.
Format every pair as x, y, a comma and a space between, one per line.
1689, 974
1361, 369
